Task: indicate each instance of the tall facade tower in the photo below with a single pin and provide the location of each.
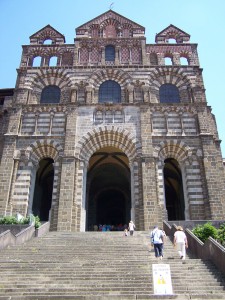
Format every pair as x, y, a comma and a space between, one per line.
109, 129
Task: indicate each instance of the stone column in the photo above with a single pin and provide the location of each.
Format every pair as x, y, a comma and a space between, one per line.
6, 172
73, 95
130, 90
88, 94
117, 62
103, 55
146, 93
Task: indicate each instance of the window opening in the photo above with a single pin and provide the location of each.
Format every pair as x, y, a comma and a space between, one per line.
109, 53
184, 61
168, 61
47, 42
50, 94
110, 91
53, 61
37, 61
169, 93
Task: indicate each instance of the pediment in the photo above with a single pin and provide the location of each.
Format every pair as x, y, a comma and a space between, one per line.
47, 32
172, 32
109, 18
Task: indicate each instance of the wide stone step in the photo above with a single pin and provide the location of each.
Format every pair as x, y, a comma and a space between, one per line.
100, 265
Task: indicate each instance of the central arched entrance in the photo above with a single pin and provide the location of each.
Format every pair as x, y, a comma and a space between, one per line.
108, 189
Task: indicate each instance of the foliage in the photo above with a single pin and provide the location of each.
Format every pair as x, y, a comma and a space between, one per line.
203, 232
7, 220
221, 234
37, 222
12, 220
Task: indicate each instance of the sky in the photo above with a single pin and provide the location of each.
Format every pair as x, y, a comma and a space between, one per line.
204, 20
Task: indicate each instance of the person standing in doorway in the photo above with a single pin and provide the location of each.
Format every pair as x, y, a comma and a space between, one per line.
131, 227
157, 239
180, 242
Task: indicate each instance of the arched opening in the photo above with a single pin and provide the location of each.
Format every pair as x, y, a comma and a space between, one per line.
53, 61
110, 91
184, 61
174, 194
168, 61
50, 94
37, 61
108, 200
47, 42
110, 53
43, 189
169, 93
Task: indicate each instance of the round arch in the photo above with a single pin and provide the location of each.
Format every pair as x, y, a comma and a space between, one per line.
171, 157
105, 137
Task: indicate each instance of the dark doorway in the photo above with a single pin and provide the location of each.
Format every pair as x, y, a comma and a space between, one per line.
108, 189
111, 207
43, 189
174, 190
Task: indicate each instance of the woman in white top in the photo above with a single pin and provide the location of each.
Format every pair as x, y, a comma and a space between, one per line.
180, 241
131, 227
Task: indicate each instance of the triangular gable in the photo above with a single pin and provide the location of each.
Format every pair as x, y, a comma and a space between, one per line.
47, 32
172, 32
110, 14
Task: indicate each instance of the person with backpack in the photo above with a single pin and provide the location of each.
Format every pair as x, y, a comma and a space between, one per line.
157, 240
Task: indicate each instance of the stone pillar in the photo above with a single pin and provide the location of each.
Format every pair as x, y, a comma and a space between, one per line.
66, 196
88, 94
6, 172
117, 61
103, 55
152, 208
145, 89
176, 59
214, 175
73, 95
144, 56
130, 90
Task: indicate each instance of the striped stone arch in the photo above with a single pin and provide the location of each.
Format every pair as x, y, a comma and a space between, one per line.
51, 76
172, 149
105, 137
171, 75
42, 149
100, 76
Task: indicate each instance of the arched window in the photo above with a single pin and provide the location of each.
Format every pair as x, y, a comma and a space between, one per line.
110, 53
184, 61
110, 91
50, 94
37, 61
168, 93
168, 61
53, 61
47, 42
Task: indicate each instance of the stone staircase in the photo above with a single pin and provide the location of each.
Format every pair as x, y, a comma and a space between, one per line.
98, 266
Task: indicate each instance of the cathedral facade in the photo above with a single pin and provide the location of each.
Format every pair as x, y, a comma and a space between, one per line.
110, 129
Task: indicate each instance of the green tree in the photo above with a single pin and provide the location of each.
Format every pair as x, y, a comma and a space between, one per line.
203, 232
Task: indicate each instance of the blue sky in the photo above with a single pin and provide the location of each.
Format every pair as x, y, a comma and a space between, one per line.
204, 20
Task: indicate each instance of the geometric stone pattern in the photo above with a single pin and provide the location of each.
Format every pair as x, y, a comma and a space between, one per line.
145, 130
